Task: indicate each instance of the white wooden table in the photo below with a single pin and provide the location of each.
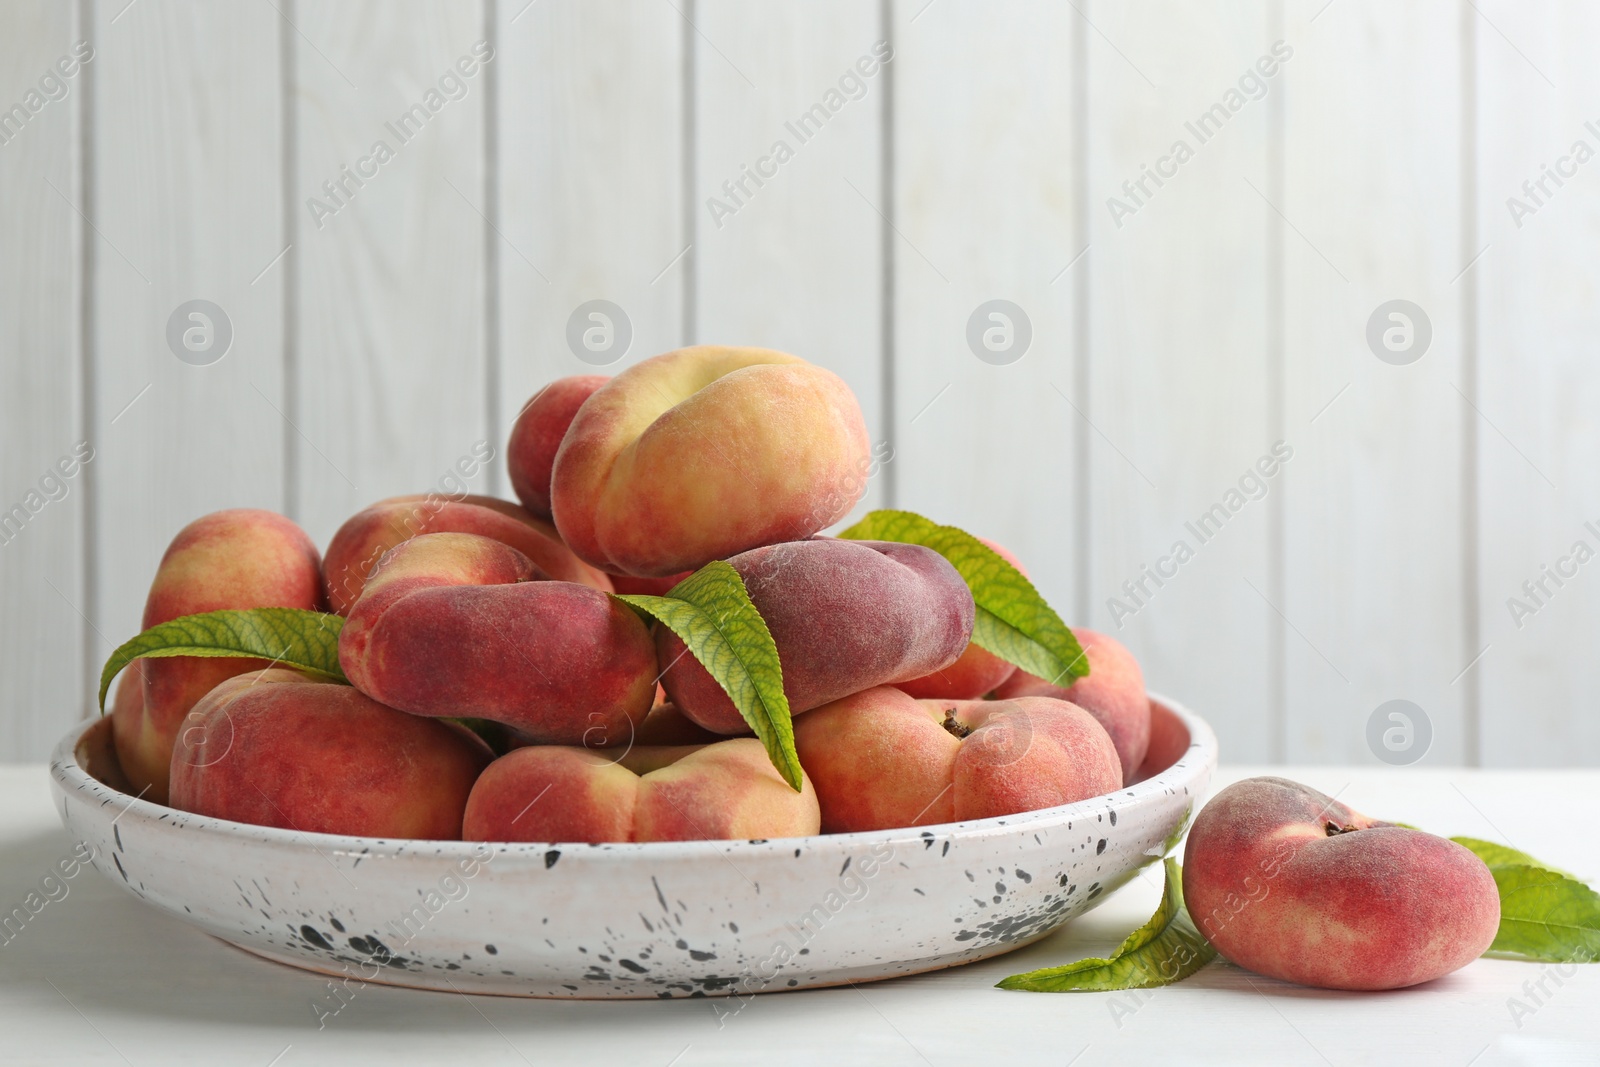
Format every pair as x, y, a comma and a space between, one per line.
96, 977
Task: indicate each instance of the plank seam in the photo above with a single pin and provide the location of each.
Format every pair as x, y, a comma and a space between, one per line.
1471, 631
290, 300
491, 247
1277, 636
87, 360
1081, 354
886, 235
691, 296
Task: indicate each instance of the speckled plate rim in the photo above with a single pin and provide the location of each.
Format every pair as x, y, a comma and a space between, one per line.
1196, 763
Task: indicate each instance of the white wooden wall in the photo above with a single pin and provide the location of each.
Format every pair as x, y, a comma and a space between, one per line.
1171, 347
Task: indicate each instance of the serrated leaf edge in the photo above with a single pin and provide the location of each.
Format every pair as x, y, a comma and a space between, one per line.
251, 618
1170, 913
779, 720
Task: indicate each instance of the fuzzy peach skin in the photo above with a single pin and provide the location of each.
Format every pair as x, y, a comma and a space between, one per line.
537, 433
882, 760
1026, 754
845, 615
274, 749
724, 791
879, 761
703, 453
976, 673
360, 543
1113, 692
236, 559
457, 625
1289, 883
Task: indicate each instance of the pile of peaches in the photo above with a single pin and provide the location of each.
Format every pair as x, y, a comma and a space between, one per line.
467, 608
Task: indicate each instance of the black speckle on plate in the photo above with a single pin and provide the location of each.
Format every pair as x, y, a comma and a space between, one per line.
314, 937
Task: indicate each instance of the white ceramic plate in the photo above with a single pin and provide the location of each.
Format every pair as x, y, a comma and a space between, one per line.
669, 919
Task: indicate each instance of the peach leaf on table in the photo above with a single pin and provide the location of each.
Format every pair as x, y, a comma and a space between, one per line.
1497, 855
1165, 949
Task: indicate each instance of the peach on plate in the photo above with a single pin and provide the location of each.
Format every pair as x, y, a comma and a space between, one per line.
727, 790
976, 673
458, 625
881, 759
235, 559
537, 434
1113, 692
703, 453
845, 616
272, 748
360, 543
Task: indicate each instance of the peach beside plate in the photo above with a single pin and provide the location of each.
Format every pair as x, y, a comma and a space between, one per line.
657, 920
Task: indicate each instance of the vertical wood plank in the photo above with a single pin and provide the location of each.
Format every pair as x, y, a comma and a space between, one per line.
591, 147
986, 194
389, 338
1179, 395
41, 551
1538, 382
187, 205
1374, 549
790, 258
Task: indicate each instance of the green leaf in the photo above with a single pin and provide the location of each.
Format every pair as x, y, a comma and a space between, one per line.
1545, 916
711, 612
306, 641
1013, 620
1494, 855
1177, 834
1166, 949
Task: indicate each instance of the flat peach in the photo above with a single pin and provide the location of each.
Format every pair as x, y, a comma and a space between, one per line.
703, 453
845, 615
1292, 884
727, 790
881, 759
361, 542
457, 625
536, 437
236, 559
274, 749
1113, 692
